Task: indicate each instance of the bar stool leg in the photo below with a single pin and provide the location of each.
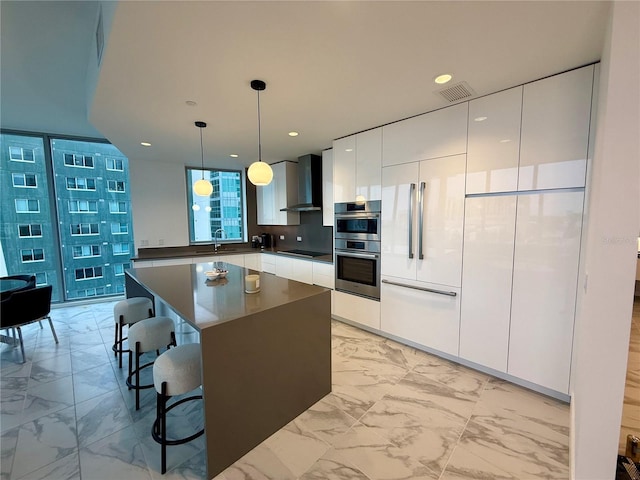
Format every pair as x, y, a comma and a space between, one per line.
163, 412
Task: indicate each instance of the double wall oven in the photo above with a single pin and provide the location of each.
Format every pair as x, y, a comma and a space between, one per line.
357, 248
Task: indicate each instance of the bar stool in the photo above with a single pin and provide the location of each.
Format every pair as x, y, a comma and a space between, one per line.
147, 335
175, 372
128, 312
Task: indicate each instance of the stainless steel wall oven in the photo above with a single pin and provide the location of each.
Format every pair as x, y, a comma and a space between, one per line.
357, 248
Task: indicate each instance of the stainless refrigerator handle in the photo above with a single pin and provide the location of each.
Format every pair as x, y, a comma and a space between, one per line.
422, 289
411, 191
420, 226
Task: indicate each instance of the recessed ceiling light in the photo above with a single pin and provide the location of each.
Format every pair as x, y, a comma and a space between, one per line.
479, 119
293, 134
444, 78
505, 140
349, 150
145, 144
234, 155
191, 103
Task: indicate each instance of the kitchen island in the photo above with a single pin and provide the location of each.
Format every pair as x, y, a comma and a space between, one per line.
266, 356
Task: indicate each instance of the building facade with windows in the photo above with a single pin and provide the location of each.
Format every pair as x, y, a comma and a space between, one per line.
66, 214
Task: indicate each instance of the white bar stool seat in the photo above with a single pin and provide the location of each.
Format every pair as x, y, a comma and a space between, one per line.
147, 335
176, 372
127, 312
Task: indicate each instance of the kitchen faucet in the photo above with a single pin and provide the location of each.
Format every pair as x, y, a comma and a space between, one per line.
216, 245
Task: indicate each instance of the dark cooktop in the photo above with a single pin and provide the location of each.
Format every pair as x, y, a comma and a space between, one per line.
303, 253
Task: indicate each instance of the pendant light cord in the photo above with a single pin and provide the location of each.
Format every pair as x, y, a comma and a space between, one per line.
201, 154
259, 135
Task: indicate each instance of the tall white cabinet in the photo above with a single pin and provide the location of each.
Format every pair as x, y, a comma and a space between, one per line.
357, 166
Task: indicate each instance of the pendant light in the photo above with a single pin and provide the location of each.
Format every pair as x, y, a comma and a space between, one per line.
202, 187
260, 173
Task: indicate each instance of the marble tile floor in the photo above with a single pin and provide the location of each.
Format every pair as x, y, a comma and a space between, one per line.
394, 413
631, 405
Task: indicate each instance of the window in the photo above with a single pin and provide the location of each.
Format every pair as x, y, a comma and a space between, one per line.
74, 183
41, 278
88, 273
32, 255
117, 207
115, 164
119, 228
23, 180
83, 206
85, 229
74, 160
82, 251
24, 205
19, 154
224, 209
120, 248
30, 230
115, 186
91, 292
119, 268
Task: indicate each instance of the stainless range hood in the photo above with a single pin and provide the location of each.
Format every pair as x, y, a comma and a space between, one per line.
309, 185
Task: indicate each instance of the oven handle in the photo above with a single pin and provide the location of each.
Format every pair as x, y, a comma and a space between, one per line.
411, 190
357, 215
420, 227
356, 254
423, 289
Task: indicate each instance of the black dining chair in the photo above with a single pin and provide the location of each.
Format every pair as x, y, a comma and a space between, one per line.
24, 307
31, 283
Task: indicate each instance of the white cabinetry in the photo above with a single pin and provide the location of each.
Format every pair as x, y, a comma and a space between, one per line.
422, 220
356, 309
423, 313
280, 193
253, 261
327, 188
294, 269
489, 231
357, 162
172, 261
545, 276
431, 135
555, 131
494, 142
268, 263
323, 274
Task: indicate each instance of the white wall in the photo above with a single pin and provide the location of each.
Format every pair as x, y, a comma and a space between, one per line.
159, 203
606, 297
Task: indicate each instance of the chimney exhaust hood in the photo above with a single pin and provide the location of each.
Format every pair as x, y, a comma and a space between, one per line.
309, 185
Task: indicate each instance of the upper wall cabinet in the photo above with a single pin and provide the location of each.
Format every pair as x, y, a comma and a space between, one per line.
431, 135
556, 114
327, 188
281, 192
494, 142
357, 166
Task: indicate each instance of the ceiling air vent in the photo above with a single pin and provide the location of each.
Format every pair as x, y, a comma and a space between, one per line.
456, 92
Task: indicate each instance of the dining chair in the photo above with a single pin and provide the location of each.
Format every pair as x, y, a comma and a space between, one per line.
30, 283
24, 307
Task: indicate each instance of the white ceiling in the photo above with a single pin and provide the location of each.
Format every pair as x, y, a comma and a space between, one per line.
331, 68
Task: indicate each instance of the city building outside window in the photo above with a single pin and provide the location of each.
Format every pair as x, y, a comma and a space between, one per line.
224, 209
59, 225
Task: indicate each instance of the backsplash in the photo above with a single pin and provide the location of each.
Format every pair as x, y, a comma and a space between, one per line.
314, 236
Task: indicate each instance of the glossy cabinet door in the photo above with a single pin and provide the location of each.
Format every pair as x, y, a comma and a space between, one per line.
356, 309
545, 276
399, 220
266, 203
369, 165
439, 231
556, 115
280, 193
253, 261
431, 135
494, 142
344, 169
284, 266
323, 274
302, 271
428, 318
327, 188
487, 269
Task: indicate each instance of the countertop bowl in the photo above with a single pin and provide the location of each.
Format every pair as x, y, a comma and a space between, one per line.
222, 273
212, 274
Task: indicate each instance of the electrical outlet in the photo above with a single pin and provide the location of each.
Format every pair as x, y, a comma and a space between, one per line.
281, 237
299, 239
144, 243
161, 241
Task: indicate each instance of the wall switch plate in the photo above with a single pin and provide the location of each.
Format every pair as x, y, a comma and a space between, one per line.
281, 237
299, 239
